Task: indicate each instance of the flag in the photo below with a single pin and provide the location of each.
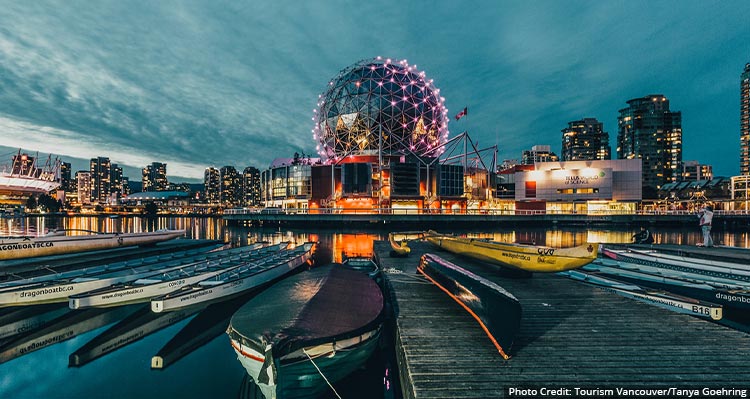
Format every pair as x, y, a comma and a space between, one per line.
462, 113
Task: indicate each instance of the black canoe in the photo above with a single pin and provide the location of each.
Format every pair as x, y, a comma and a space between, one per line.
497, 311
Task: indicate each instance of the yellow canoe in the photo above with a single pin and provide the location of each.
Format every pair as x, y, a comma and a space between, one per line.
530, 258
400, 241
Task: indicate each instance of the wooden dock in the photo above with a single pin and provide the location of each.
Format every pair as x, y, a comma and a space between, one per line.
572, 335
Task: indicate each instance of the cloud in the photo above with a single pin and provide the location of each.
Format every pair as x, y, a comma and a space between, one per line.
223, 83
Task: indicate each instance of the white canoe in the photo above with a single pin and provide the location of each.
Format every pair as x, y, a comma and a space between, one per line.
29, 247
235, 281
144, 289
58, 290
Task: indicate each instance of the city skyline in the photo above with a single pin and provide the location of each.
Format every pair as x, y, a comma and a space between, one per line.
209, 84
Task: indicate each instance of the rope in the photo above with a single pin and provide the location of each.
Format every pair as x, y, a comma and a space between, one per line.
321, 373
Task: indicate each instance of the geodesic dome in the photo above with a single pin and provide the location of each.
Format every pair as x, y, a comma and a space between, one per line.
377, 104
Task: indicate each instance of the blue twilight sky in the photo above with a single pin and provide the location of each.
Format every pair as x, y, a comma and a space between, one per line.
213, 83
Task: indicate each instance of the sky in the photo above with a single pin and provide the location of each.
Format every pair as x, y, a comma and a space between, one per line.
213, 83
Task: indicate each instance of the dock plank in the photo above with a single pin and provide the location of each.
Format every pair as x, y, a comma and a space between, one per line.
571, 334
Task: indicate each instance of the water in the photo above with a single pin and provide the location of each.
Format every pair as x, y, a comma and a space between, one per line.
212, 370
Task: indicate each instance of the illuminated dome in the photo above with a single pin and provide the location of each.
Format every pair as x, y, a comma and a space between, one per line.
379, 96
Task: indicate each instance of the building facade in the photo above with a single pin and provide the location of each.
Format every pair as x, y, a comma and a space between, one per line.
745, 121
538, 153
648, 130
212, 185
694, 171
231, 186
154, 177
101, 175
585, 140
251, 191
580, 186
83, 185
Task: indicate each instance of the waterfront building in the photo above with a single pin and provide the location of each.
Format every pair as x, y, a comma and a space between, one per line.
606, 186
381, 129
745, 121
585, 140
648, 130
125, 186
251, 191
84, 187
116, 188
65, 182
691, 194
154, 177
695, 171
23, 178
538, 153
231, 186
212, 185
101, 175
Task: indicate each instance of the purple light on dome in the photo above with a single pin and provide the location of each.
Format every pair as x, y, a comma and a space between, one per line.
369, 106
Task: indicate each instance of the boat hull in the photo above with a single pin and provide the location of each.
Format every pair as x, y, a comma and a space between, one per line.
501, 324
300, 378
230, 288
20, 248
522, 257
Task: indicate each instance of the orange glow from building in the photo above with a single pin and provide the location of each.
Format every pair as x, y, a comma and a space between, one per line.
351, 245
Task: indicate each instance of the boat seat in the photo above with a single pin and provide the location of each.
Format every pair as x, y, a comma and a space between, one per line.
146, 281
210, 283
83, 279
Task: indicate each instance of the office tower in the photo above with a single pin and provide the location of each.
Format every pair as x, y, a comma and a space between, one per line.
65, 183
585, 140
251, 186
745, 121
694, 171
538, 153
648, 130
100, 169
212, 185
231, 186
154, 177
83, 185
125, 186
116, 180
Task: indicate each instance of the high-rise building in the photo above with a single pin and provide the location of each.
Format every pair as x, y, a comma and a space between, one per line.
83, 184
648, 130
694, 171
745, 121
116, 180
65, 183
231, 186
101, 183
251, 193
585, 140
125, 186
212, 185
538, 153
154, 177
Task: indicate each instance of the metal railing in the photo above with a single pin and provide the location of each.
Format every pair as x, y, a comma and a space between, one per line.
482, 212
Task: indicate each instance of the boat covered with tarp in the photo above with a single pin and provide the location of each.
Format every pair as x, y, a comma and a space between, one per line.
321, 322
58, 243
496, 310
529, 258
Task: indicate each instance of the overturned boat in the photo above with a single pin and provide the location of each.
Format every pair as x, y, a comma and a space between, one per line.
530, 258
28, 247
236, 281
496, 310
323, 322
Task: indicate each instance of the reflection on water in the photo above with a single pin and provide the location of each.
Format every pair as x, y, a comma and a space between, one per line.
37, 365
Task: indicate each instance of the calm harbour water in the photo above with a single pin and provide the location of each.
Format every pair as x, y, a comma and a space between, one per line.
212, 370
